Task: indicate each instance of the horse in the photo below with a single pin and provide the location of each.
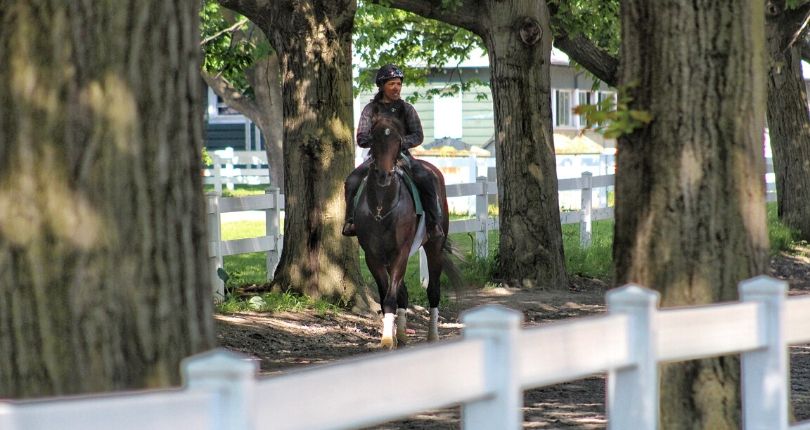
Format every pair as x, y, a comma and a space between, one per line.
388, 230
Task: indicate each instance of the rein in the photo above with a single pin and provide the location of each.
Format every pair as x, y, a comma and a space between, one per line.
379, 216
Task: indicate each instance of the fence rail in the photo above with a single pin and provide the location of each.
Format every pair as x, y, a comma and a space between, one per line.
485, 371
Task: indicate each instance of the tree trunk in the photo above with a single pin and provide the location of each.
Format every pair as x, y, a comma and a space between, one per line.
690, 210
518, 37
789, 129
313, 41
103, 265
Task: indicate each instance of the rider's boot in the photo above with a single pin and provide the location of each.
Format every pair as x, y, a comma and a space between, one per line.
348, 228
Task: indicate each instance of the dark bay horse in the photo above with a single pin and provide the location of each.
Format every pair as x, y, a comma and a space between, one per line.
387, 223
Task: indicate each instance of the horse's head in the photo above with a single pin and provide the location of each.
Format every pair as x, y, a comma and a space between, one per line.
386, 139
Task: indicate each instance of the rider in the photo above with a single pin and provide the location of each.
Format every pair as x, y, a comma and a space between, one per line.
388, 102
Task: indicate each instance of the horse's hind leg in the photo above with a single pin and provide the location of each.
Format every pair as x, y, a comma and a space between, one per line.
402, 314
434, 255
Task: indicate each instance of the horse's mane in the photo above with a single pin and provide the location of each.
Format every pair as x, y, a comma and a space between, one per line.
383, 122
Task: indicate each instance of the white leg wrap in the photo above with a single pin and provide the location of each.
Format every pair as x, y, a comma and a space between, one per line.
388, 325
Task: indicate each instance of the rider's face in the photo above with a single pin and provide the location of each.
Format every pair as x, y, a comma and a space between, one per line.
391, 89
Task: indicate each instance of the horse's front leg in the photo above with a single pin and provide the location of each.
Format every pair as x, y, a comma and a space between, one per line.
379, 271
400, 292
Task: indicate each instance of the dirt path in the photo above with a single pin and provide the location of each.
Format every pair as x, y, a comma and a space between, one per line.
286, 341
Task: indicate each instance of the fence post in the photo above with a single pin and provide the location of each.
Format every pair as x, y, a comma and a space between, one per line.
765, 371
272, 225
586, 208
500, 328
215, 245
232, 377
217, 173
632, 401
482, 214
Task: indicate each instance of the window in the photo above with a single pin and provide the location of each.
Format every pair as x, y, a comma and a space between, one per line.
583, 98
563, 109
220, 112
447, 114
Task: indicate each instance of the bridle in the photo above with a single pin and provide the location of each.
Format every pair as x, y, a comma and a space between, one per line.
395, 170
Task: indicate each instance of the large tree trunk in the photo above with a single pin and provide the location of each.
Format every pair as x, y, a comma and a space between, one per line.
690, 210
313, 41
518, 38
788, 125
103, 261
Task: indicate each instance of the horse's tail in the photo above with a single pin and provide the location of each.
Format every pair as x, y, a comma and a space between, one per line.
450, 269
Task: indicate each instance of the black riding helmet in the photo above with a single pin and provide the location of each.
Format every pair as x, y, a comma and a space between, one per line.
388, 72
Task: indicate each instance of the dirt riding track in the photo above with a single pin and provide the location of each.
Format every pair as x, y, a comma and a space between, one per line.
285, 341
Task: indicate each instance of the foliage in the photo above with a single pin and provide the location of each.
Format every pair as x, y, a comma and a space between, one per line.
239, 190
780, 236
418, 45
595, 261
597, 20
613, 121
206, 158
230, 44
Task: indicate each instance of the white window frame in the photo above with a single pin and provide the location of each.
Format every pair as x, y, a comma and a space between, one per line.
213, 112
579, 120
556, 111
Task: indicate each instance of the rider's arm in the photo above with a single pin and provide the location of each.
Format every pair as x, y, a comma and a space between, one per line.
364, 127
413, 128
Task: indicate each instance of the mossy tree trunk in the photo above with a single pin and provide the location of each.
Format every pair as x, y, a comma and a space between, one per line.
788, 119
103, 265
518, 38
313, 42
690, 210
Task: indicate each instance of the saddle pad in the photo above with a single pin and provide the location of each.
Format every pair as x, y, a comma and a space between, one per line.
419, 237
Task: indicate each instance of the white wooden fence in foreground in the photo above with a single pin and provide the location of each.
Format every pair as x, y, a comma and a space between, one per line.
486, 372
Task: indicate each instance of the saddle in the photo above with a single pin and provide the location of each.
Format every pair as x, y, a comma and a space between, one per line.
402, 171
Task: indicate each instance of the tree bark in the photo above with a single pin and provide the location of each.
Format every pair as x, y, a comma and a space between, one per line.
690, 210
788, 119
103, 258
313, 41
518, 38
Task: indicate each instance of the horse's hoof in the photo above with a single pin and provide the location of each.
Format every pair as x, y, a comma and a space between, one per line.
388, 342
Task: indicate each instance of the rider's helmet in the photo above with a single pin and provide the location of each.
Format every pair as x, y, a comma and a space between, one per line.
388, 72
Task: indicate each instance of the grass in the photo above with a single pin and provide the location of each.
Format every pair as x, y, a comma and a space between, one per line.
240, 190
594, 261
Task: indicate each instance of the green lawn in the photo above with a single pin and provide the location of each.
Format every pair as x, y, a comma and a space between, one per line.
594, 261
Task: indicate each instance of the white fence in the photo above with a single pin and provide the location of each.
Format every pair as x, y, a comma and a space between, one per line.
486, 372
481, 223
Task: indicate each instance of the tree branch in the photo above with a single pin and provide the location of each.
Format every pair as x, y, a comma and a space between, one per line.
793, 23
233, 97
466, 16
227, 30
593, 58
254, 10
